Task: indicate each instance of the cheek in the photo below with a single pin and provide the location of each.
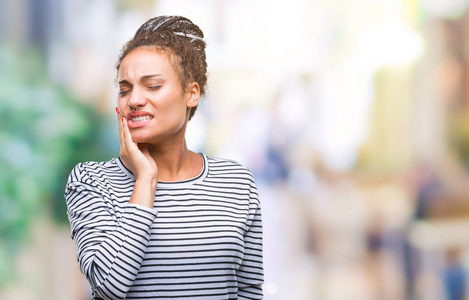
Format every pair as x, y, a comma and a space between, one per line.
121, 104
175, 106
173, 116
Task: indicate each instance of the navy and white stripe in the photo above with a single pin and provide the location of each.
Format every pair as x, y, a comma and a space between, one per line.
202, 239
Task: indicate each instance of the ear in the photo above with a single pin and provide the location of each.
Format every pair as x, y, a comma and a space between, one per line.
193, 94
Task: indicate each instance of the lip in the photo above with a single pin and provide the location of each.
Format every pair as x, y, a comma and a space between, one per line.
134, 114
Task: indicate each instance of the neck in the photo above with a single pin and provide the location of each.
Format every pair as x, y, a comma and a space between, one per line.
173, 161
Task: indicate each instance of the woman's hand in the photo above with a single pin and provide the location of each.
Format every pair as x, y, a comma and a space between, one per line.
137, 158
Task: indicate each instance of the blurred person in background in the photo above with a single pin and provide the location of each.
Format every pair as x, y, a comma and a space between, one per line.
161, 221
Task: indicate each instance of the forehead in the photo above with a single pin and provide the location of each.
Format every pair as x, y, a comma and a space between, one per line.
147, 60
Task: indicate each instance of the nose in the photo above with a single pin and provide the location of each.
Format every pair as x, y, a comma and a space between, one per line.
137, 97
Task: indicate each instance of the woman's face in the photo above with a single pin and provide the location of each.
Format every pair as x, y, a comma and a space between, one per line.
148, 80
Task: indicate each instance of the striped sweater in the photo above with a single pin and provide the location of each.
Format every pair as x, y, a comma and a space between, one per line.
201, 240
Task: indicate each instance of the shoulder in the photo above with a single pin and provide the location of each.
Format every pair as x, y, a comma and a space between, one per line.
226, 164
233, 175
91, 170
222, 167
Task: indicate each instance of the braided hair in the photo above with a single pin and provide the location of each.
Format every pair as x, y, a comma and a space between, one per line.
184, 41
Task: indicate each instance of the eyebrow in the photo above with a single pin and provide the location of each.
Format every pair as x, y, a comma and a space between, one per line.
143, 78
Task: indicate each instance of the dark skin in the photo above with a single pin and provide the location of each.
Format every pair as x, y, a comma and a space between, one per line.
152, 140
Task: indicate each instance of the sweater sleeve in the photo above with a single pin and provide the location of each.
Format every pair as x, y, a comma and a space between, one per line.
250, 274
110, 249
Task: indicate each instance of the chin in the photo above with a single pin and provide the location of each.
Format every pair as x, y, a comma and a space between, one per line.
138, 138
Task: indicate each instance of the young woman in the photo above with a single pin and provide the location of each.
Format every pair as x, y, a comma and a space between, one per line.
160, 221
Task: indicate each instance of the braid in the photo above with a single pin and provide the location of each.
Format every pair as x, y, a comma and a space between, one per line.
183, 39
176, 24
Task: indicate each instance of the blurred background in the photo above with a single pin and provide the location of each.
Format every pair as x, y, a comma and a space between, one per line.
353, 116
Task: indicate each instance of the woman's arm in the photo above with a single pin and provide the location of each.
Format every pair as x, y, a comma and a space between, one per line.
137, 158
110, 249
251, 272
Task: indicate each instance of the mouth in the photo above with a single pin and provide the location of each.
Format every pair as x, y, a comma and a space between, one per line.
139, 121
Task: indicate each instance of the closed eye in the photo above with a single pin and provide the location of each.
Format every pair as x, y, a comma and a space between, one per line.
156, 87
123, 93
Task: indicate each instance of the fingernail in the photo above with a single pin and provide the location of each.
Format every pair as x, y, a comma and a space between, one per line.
122, 119
117, 110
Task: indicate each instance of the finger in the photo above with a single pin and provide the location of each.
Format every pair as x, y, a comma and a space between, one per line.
127, 136
121, 122
121, 134
118, 112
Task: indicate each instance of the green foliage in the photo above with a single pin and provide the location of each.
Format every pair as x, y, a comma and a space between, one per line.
44, 132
